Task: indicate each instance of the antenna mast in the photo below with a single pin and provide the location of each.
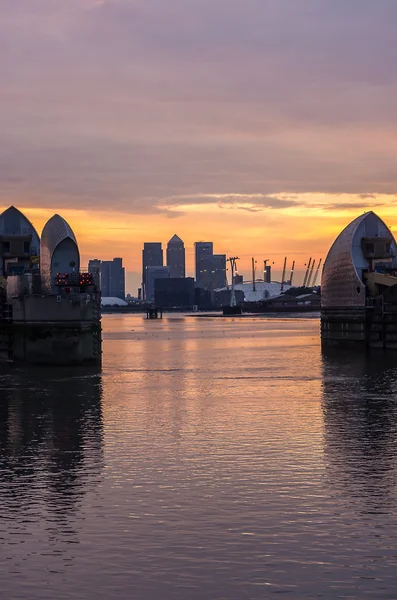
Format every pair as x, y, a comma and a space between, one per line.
311, 273
292, 272
283, 275
307, 272
317, 272
233, 268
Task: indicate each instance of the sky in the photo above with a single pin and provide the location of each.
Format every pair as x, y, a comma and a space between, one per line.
264, 126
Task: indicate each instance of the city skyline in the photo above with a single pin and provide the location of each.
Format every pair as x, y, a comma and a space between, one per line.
264, 126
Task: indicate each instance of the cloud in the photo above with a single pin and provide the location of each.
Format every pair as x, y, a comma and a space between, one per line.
249, 202
124, 103
347, 206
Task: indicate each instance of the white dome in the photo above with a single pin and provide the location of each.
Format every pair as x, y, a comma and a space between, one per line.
113, 302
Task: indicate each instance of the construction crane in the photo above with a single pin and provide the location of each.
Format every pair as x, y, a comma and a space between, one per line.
233, 268
283, 275
317, 272
310, 274
307, 272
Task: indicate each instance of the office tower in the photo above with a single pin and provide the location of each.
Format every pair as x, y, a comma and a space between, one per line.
176, 257
112, 278
153, 273
213, 271
94, 265
152, 256
202, 250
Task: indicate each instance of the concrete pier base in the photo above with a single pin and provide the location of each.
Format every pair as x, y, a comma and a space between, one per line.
374, 326
53, 330
344, 327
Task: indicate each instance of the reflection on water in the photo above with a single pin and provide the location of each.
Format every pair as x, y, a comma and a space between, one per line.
50, 457
211, 459
360, 422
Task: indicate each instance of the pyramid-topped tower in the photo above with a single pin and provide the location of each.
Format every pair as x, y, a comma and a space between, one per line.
176, 257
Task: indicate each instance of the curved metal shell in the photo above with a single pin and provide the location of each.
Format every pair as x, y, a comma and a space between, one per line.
341, 283
14, 222
59, 251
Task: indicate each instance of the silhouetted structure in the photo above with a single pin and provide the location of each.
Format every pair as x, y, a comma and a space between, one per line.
153, 274
213, 273
49, 313
113, 278
174, 293
176, 257
152, 256
59, 252
221, 298
202, 250
19, 243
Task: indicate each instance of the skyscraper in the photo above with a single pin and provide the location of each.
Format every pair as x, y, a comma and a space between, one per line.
202, 250
213, 274
94, 267
152, 256
176, 257
152, 274
112, 276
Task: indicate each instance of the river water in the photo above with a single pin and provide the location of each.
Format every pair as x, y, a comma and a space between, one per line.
211, 459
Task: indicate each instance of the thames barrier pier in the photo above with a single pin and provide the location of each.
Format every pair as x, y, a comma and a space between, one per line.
50, 311
359, 287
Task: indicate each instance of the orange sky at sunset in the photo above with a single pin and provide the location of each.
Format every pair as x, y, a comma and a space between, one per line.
264, 126
264, 234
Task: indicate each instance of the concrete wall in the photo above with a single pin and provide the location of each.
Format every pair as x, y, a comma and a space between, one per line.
372, 327
61, 330
67, 307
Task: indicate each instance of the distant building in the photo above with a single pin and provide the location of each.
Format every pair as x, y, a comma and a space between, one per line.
112, 278
94, 265
113, 302
174, 292
238, 278
222, 298
19, 243
153, 273
202, 250
202, 298
152, 256
176, 257
268, 274
213, 271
